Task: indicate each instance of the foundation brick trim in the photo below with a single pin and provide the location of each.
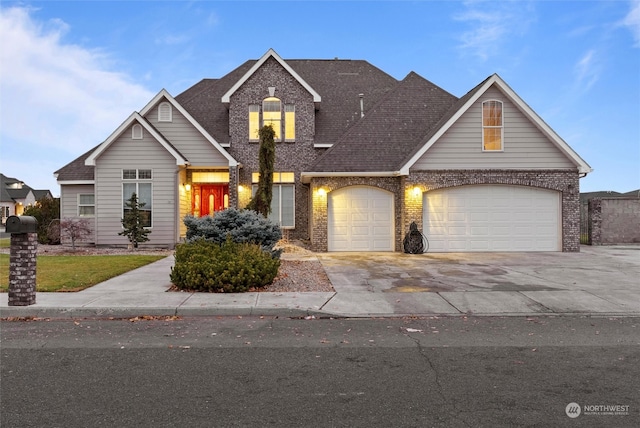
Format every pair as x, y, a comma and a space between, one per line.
408, 202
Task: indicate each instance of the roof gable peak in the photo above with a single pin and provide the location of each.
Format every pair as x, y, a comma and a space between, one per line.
226, 98
135, 117
472, 96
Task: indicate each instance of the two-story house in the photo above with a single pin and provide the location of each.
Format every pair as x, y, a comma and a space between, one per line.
359, 156
15, 196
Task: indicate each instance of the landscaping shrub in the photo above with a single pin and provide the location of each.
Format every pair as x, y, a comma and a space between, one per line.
243, 226
230, 267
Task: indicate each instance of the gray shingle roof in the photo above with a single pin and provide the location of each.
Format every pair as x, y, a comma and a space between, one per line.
339, 82
76, 170
390, 131
399, 116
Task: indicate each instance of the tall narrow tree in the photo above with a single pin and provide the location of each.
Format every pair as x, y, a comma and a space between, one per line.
261, 201
133, 222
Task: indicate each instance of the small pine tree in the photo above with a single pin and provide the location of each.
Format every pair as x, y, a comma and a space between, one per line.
261, 201
133, 222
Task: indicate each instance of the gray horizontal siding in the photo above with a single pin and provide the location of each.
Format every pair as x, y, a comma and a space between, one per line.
126, 153
188, 140
525, 146
69, 207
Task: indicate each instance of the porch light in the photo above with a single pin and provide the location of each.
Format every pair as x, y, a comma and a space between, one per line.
240, 188
322, 192
417, 191
187, 186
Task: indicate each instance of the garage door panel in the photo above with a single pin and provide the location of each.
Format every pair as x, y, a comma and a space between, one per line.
456, 216
369, 223
492, 218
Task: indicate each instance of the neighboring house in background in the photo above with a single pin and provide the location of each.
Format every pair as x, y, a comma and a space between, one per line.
15, 196
359, 156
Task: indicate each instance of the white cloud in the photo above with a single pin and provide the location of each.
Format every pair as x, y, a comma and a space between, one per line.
588, 70
632, 21
56, 94
491, 24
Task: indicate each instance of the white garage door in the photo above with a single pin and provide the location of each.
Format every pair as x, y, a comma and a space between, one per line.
492, 218
360, 219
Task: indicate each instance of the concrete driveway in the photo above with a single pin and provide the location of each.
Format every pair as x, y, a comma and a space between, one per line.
596, 280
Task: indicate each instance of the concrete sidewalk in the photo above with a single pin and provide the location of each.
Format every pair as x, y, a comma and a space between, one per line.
597, 281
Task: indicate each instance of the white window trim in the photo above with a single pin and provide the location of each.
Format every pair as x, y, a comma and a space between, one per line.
254, 187
137, 177
86, 205
138, 194
501, 127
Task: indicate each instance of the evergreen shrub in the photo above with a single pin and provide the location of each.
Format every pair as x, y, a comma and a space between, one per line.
242, 226
230, 267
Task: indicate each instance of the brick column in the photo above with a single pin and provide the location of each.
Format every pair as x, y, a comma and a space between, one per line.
22, 269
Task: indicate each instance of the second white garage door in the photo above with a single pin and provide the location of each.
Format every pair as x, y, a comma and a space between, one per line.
492, 218
360, 219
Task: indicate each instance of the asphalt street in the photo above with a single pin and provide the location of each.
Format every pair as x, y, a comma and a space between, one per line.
255, 372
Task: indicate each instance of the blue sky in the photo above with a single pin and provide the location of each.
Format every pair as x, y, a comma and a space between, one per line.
71, 72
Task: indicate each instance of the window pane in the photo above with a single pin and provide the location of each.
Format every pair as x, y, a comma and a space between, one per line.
289, 122
287, 206
128, 174
86, 199
492, 113
493, 138
144, 195
275, 124
275, 205
144, 174
128, 189
87, 211
271, 105
272, 115
254, 122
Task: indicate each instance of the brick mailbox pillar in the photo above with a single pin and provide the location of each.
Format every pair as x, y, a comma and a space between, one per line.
22, 260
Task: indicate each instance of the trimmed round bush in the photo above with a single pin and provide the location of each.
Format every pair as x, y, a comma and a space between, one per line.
230, 267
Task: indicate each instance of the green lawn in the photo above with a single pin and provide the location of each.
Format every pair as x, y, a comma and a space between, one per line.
75, 273
5, 242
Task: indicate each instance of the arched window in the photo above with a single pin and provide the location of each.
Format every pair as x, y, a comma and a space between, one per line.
492, 126
272, 115
165, 113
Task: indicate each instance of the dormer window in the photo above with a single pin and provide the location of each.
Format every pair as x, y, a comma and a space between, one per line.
492, 126
273, 114
136, 132
165, 113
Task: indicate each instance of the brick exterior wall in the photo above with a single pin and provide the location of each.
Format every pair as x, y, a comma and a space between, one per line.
614, 221
290, 156
22, 269
408, 202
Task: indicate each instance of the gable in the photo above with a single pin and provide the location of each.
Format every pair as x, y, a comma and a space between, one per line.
468, 101
127, 127
181, 132
525, 145
270, 54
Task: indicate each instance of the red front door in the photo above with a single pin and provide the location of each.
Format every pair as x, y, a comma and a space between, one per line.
209, 198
